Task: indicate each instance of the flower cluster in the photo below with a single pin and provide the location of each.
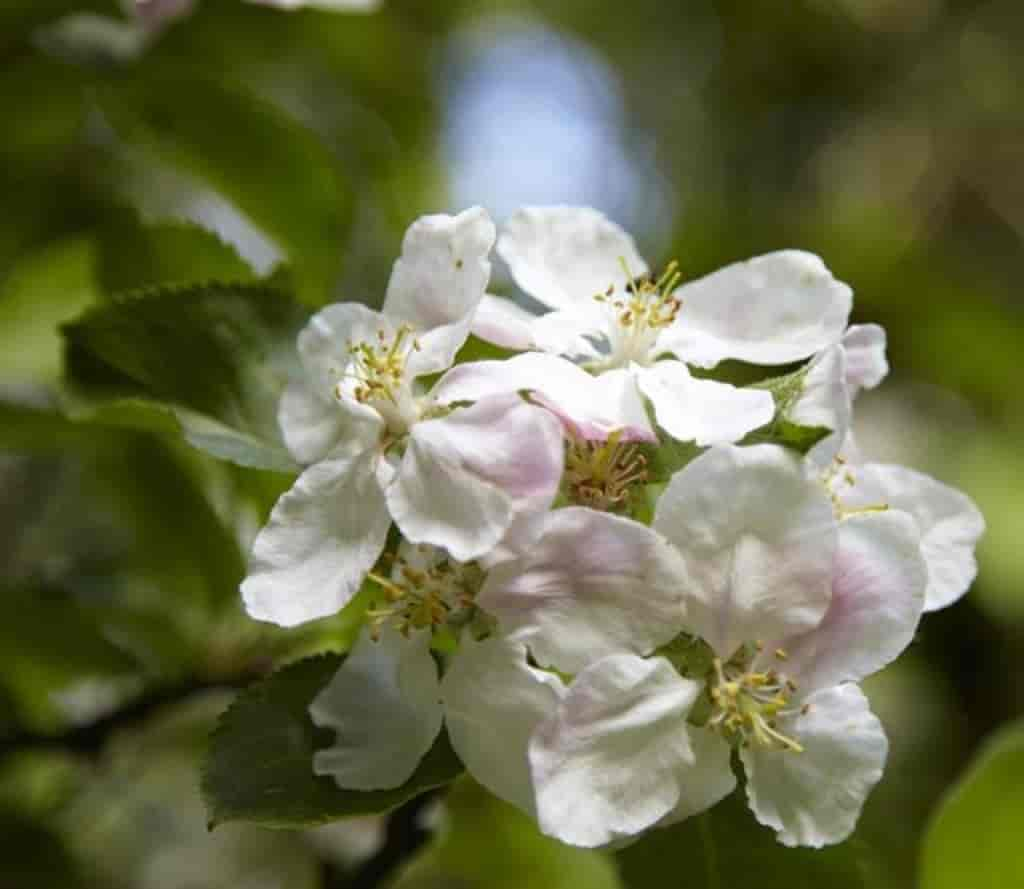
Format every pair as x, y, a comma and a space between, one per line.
607, 574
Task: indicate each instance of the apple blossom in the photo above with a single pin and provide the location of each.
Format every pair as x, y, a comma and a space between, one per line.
608, 313
384, 448
387, 702
781, 608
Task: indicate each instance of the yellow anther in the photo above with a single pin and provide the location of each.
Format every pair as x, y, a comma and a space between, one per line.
602, 474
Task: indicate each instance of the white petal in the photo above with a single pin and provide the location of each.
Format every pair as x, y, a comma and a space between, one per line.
571, 331
613, 759
814, 798
772, 309
825, 402
758, 539
493, 701
594, 407
466, 476
438, 281
384, 705
504, 323
594, 584
866, 364
877, 595
703, 411
562, 255
313, 426
322, 537
950, 524
708, 781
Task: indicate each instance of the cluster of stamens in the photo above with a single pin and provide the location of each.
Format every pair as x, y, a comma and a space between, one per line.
425, 597
649, 303
601, 474
378, 368
746, 704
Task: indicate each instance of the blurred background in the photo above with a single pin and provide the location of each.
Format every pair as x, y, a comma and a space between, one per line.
885, 135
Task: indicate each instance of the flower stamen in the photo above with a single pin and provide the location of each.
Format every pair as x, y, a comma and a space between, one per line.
601, 474
746, 704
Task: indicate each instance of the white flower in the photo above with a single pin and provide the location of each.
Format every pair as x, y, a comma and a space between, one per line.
949, 522
388, 700
784, 609
609, 314
383, 448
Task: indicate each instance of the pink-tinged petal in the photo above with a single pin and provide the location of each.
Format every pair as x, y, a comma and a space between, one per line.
878, 588
566, 255
322, 537
702, 411
758, 539
814, 798
594, 584
866, 363
465, 477
438, 282
592, 407
772, 309
384, 705
949, 522
493, 702
504, 323
614, 758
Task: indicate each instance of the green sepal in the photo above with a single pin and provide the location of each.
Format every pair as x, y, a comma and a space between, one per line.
786, 390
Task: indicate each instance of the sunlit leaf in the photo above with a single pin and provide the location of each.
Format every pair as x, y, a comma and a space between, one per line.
975, 835
268, 165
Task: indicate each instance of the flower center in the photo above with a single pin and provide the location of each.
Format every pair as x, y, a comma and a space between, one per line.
648, 306
376, 376
747, 703
602, 474
435, 593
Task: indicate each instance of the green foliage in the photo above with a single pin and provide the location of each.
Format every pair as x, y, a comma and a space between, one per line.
215, 356
486, 843
133, 256
726, 847
268, 165
260, 765
975, 835
54, 648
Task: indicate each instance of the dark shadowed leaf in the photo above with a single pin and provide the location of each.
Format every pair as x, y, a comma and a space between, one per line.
260, 765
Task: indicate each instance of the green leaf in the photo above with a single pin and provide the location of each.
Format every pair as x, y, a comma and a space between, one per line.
260, 765
488, 844
975, 835
46, 288
211, 358
274, 170
725, 848
133, 256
